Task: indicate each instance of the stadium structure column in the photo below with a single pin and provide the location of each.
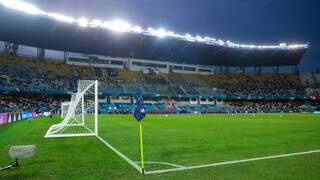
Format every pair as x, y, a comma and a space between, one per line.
227, 70
65, 57
129, 64
242, 69
277, 70
296, 70
41, 54
11, 48
259, 70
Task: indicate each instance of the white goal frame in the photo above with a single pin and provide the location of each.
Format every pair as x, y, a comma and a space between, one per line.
81, 118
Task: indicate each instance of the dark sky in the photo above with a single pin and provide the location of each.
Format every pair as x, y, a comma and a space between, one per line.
244, 21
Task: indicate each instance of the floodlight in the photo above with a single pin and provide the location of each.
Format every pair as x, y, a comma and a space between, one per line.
137, 29
150, 29
22, 6
171, 33
295, 46
188, 37
61, 17
83, 22
96, 23
283, 44
220, 42
199, 38
118, 26
161, 33
232, 44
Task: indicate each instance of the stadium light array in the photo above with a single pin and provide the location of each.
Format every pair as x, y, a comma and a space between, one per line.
61, 17
161, 33
123, 26
22, 6
118, 26
96, 23
137, 29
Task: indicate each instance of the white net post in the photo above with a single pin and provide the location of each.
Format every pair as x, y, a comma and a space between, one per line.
96, 109
81, 118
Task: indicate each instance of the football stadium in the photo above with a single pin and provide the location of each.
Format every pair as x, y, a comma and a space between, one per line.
92, 99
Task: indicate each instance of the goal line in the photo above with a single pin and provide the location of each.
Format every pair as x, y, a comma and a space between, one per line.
232, 162
178, 167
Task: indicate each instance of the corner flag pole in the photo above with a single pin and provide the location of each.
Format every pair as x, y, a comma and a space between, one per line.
141, 149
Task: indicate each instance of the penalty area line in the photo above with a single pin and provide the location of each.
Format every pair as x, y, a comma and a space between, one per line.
232, 162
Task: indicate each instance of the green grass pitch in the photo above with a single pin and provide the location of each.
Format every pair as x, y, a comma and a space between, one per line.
186, 140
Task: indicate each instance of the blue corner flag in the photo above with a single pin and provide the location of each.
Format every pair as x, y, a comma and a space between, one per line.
139, 112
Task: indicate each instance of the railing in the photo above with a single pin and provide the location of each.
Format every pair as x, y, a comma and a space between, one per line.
6, 118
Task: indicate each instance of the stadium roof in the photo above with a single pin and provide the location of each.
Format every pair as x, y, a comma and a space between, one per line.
33, 27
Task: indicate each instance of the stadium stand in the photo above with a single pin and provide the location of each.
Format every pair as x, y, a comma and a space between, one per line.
21, 74
84, 72
56, 69
129, 76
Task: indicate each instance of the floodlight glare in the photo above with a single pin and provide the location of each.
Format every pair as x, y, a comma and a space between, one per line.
118, 26
199, 38
150, 29
137, 29
220, 42
161, 33
96, 23
83, 22
295, 46
21, 6
61, 17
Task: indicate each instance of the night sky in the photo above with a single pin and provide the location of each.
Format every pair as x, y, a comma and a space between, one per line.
244, 21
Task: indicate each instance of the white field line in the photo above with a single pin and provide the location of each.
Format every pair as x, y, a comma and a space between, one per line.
163, 163
133, 164
231, 162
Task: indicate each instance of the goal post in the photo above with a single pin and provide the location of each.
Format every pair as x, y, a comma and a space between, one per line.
81, 118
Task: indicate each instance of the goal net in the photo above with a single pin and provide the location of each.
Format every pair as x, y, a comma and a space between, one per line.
81, 118
64, 109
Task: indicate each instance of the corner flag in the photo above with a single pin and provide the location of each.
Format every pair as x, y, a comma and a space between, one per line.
139, 112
